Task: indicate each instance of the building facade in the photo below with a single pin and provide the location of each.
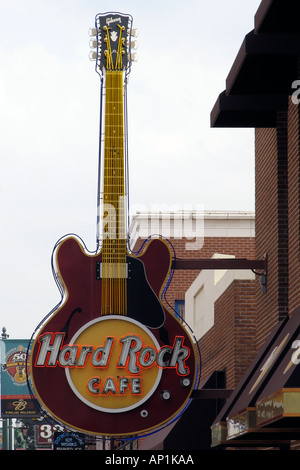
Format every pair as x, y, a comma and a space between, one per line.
218, 305
250, 340
262, 92
193, 235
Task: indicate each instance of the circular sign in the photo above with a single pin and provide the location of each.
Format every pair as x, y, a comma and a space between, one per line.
104, 381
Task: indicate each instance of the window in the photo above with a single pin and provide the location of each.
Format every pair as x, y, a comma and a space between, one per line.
179, 309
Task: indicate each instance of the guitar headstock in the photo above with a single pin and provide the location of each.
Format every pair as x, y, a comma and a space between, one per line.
113, 42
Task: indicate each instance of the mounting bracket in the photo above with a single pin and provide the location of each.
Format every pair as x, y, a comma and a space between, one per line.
226, 263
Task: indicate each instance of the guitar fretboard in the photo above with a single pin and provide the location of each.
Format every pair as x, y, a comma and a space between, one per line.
114, 272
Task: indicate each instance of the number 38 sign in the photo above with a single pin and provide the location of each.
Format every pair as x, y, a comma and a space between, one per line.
46, 433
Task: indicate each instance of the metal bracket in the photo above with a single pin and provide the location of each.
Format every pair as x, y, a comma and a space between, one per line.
226, 263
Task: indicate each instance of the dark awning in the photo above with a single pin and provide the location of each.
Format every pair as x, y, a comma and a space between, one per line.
239, 399
247, 110
266, 65
270, 395
277, 16
279, 401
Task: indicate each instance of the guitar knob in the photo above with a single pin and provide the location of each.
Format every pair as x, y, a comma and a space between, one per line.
165, 395
185, 382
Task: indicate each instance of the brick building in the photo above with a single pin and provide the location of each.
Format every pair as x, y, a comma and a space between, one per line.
218, 305
193, 235
261, 92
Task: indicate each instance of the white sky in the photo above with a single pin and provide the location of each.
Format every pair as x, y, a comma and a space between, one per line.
49, 120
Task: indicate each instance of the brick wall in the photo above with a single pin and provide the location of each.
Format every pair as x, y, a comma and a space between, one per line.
271, 224
240, 247
277, 218
293, 207
230, 344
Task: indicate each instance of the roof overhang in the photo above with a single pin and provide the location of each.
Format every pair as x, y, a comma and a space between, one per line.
247, 110
277, 16
267, 63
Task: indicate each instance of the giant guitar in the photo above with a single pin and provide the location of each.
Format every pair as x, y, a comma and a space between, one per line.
110, 359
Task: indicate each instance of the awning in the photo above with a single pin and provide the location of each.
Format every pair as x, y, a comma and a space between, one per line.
277, 16
267, 410
240, 399
247, 110
266, 65
279, 401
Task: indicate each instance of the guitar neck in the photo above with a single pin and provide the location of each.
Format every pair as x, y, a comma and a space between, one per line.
114, 268
112, 61
114, 222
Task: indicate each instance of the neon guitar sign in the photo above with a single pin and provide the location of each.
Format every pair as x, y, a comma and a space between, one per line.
111, 359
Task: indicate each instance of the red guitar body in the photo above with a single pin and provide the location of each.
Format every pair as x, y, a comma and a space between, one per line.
81, 305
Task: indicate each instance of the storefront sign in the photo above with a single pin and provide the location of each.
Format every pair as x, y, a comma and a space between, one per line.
112, 360
240, 424
129, 355
16, 400
68, 441
118, 367
283, 403
45, 433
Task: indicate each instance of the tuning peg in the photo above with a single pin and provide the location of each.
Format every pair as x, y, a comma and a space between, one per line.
134, 57
133, 44
93, 31
134, 32
93, 43
93, 55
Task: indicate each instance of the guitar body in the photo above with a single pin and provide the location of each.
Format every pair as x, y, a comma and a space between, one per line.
80, 308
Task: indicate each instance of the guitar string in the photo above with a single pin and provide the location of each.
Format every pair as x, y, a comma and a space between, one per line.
105, 265
114, 290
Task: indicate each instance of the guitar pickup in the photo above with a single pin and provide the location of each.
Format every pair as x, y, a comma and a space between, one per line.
111, 270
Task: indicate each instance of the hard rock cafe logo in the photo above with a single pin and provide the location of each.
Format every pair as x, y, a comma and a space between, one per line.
15, 365
113, 372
